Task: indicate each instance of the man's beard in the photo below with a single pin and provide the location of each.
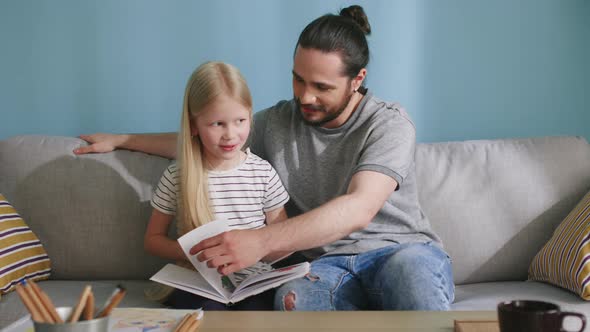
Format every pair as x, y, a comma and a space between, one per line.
330, 115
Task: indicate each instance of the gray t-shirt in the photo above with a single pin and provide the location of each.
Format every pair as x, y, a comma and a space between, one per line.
316, 165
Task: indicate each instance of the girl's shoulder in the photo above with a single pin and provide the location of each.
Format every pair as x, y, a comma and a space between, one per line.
172, 169
255, 162
171, 173
252, 157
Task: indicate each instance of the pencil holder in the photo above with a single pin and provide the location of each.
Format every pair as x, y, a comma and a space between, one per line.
94, 325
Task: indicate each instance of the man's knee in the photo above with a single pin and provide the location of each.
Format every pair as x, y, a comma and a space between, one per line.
289, 301
289, 295
418, 277
418, 258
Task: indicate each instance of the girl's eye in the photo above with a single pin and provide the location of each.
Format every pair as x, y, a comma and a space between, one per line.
241, 120
215, 124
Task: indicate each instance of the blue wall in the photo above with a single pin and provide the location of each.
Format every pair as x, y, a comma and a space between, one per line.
464, 69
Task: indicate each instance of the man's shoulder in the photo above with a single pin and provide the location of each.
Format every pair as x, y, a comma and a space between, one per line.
382, 112
385, 108
281, 110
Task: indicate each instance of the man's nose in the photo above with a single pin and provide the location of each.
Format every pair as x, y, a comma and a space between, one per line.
307, 97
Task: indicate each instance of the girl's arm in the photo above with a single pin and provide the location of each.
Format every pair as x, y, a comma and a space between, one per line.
156, 240
272, 217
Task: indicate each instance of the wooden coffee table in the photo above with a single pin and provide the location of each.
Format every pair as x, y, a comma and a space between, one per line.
414, 321
358, 321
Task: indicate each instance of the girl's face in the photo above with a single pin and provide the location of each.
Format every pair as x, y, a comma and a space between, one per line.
223, 127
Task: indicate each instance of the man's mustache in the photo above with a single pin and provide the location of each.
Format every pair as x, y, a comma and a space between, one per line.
310, 106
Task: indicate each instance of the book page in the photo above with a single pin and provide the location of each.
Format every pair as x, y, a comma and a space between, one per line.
187, 241
190, 281
238, 277
256, 284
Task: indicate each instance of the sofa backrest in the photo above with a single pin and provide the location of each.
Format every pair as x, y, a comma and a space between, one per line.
495, 203
90, 212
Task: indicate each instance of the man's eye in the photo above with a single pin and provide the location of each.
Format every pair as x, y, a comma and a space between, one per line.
322, 87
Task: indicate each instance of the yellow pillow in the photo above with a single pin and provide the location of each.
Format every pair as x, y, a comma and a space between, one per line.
22, 255
564, 261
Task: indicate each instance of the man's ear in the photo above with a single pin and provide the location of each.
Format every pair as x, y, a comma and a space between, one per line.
357, 81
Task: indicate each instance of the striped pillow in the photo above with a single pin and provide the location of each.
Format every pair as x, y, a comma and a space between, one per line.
564, 261
22, 255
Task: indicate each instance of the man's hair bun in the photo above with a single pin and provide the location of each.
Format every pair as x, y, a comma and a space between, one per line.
357, 14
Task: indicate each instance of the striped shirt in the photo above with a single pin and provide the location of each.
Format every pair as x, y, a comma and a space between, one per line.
241, 195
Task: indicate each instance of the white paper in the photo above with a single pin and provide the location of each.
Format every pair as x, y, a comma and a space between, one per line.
190, 281
190, 239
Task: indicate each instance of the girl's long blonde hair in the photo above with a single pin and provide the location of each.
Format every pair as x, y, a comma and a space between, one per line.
208, 82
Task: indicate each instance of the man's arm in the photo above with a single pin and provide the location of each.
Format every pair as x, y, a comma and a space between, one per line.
234, 250
163, 144
272, 217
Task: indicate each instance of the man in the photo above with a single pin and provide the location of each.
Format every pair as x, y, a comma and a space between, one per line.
347, 160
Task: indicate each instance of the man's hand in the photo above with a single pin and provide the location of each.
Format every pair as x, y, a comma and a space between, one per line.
100, 143
232, 251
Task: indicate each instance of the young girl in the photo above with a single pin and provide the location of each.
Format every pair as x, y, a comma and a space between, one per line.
214, 177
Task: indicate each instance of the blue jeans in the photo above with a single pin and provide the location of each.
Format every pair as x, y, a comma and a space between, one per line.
410, 276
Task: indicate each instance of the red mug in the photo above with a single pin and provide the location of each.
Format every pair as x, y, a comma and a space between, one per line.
534, 316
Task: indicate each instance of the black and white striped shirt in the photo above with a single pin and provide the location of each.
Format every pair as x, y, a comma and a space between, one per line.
241, 195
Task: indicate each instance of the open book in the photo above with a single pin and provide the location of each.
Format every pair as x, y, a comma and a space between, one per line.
209, 283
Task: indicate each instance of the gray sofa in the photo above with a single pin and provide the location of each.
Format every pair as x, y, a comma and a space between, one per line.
494, 203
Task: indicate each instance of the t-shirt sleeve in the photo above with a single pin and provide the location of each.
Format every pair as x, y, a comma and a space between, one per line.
165, 193
276, 195
390, 145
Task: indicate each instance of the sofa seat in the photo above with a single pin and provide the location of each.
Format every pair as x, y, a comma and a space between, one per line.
487, 295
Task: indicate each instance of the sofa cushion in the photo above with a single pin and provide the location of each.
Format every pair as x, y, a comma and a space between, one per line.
90, 212
495, 203
565, 260
22, 255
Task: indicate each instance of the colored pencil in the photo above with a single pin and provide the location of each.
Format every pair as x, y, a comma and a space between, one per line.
35, 314
113, 301
81, 303
37, 302
46, 301
89, 308
189, 323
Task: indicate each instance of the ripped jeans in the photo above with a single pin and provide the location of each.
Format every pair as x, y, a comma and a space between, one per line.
409, 276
